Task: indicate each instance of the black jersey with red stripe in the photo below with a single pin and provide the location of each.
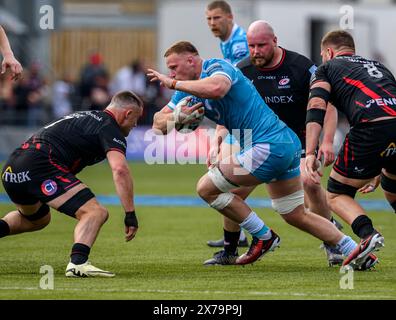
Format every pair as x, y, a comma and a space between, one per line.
362, 89
79, 139
284, 87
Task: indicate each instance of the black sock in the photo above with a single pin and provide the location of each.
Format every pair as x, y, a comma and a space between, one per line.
362, 226
80, 253
231, 240
4, 228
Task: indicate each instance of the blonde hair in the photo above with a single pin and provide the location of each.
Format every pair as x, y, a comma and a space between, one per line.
181, 47
224, 6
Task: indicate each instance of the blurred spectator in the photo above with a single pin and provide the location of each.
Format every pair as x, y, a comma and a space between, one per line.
99, 98
93, 75
154, 99
130, 77
7, 100
63, 91
30, 94
36, 94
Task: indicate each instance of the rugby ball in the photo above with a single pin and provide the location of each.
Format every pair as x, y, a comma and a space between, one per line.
190, 122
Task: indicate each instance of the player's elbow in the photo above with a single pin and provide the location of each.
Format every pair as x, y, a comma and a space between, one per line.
120, 170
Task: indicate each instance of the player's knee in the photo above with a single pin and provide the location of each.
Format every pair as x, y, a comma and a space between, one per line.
102, 214
336, 188
95, 212
387, 184
202, 188
289, 203
310, 187
40, 219
98, 213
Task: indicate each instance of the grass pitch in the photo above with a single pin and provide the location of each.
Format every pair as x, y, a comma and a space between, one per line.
164, 261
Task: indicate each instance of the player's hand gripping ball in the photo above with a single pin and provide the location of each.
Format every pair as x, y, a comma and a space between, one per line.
185, 120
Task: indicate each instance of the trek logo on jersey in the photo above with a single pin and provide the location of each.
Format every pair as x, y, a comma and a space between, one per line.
20, 177
381, 102
49, 187
284, 83
120, 142
389, 151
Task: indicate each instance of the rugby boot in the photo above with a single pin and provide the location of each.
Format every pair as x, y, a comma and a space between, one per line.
334, 256
359, 255
86, 270
258, 248
369, 263
222, 258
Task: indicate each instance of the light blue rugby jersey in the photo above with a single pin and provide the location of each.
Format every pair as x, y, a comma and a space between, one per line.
236, 47
241, 108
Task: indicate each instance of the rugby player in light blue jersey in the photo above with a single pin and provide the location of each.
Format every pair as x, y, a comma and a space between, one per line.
234, 47
233, 43
271, 157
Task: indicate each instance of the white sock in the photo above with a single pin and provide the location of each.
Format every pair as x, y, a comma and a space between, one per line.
256, 227
346, 245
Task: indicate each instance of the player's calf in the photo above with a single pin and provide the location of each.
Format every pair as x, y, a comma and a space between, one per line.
17, 222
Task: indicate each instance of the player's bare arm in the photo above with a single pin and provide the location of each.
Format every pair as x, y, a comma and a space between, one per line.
214, 87
162, 119
316, 111
9, 60
124, 187
214, 150
329, 129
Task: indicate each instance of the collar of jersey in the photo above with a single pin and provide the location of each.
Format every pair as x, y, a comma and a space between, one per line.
110, 113
234, 29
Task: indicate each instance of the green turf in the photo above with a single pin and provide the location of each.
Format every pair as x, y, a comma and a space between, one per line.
165, 259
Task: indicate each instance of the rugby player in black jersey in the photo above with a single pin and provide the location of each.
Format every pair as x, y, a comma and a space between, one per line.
282, 78
365, 91
41, 173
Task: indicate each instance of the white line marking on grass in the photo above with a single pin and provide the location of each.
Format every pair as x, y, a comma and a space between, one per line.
250, 293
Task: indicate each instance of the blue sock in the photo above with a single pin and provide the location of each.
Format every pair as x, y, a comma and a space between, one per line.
346, 245
256, 227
